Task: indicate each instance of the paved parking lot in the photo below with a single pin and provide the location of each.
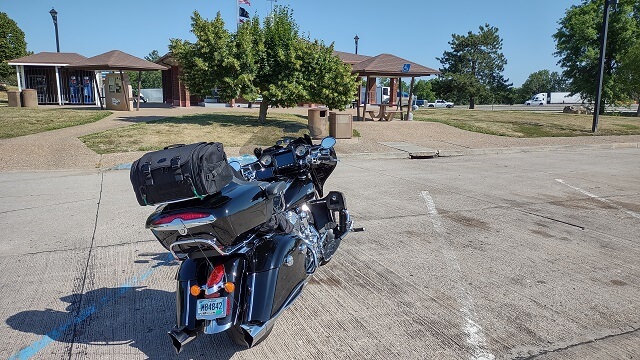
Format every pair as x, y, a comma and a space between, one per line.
515, 256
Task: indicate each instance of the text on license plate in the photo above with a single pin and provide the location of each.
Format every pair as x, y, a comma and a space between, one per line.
210, 309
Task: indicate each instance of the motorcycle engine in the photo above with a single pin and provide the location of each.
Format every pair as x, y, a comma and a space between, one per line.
302, 221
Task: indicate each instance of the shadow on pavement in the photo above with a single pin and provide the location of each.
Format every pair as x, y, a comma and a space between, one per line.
137, 316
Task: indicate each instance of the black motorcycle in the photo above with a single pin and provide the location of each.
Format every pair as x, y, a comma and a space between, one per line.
248, 250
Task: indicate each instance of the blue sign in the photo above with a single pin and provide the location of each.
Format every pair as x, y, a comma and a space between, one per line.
406, 68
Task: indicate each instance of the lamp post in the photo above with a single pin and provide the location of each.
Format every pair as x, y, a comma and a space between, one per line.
603, 50
356, 38
54, 16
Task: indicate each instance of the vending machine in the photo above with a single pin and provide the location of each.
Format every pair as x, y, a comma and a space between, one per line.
87, 90
74, 91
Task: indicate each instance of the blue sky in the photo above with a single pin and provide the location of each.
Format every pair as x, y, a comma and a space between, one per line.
417, 30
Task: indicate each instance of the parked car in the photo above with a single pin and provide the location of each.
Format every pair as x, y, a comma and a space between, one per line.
440, 104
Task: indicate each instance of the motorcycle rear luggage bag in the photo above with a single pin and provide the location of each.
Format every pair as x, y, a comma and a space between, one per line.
180, 172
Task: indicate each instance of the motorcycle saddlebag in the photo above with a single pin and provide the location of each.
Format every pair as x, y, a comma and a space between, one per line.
180, 172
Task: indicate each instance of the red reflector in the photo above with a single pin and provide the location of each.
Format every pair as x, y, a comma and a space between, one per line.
216, 276
182, 216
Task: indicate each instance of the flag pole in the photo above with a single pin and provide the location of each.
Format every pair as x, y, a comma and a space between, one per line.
237, 15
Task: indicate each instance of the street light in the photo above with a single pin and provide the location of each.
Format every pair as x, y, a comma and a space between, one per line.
356, 39
603, 50
54, 16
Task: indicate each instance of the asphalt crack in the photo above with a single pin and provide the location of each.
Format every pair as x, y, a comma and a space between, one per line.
592, 341
86, 269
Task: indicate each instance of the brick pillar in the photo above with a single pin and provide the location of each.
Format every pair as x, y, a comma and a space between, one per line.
371, 89
393, 89
175, 86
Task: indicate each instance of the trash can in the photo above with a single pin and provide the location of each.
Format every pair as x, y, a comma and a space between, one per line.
29, 98
317, 122
14, 98
340, 125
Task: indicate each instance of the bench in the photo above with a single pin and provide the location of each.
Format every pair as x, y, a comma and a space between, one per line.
372, 114
390, 114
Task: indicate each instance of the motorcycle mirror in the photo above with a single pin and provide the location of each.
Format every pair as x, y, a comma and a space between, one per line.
328, 142
235, 165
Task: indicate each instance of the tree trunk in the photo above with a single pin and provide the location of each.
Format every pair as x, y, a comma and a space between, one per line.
472, 102
264, 106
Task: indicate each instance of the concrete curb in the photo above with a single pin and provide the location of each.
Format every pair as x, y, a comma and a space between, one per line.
465, 152
515, 150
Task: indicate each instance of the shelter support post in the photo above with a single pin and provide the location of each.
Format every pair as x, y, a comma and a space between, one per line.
18, 78
410, 105
125, 89
359, 98
23, 77
366, 100
139, 85
400, 98
58, 87
99, 96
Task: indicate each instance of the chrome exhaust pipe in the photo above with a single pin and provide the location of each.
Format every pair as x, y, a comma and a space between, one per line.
181, 337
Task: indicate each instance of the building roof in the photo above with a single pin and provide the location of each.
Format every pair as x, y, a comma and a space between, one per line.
387, 65
48, 58
116, 60
350, 58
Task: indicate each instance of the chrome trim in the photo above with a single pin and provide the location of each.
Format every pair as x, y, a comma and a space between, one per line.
179, 224
227, 250
212, 327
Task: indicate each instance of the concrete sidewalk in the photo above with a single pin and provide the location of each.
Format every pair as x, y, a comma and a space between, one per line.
61, 149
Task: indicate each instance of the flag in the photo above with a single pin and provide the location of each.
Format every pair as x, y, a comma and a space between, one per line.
244, 13
246, 2
241, 21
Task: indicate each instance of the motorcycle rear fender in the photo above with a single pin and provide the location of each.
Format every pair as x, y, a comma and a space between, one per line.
195, 272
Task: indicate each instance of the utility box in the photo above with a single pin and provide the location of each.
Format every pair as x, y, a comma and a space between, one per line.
340, 125
14, 98
30, 98
118, 94
317, 122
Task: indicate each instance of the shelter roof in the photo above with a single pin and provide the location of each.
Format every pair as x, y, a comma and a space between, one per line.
388, 65
116, 60
48, 58
350, 58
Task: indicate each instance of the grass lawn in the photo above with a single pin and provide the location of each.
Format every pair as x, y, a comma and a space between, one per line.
231, 129
529, 124
24, 121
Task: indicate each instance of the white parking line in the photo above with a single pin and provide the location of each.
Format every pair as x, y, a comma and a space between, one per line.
475, 335
585, 192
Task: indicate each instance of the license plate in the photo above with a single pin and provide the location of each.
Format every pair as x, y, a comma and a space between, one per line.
209, 309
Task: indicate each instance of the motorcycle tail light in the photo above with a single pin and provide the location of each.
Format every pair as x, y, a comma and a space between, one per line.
216, 276
182, 216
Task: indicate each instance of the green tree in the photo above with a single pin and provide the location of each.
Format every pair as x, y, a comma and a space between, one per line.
272, 62
150, 79
423, 90
12, 46
629, 74
578, 47
328, 80
543, 81
473, 67
207, 63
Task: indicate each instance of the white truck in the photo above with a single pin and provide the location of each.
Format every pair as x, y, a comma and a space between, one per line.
382, 95
440, 104
539, 99
554, 98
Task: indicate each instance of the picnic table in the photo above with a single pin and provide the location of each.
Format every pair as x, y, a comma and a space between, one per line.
383, 114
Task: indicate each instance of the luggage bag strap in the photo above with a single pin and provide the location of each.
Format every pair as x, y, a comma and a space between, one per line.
146, 169
175, 165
